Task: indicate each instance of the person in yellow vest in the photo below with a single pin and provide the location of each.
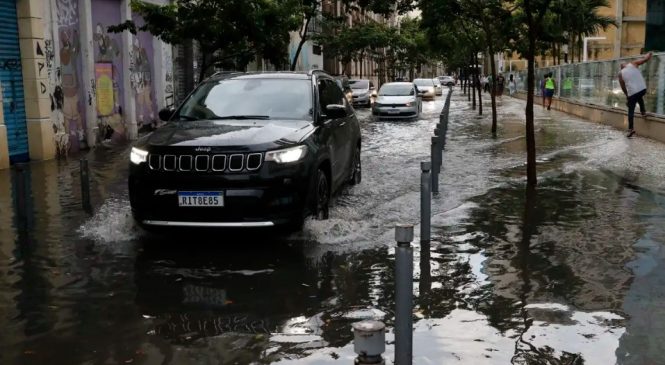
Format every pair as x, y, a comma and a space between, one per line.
550, 86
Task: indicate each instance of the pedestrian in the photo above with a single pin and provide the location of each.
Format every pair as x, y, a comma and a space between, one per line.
541, 86
550, 86
512, 86
485, 84
634, 87
501, 84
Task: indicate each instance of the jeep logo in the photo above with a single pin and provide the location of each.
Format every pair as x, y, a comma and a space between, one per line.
202, 149
165, 192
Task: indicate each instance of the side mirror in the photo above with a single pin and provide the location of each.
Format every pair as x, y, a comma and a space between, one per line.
166, 114
335, 111
372, 88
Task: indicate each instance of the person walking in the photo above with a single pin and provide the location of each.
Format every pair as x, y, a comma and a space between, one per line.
542, 89
501, 84
512, 86
550, 86
634, 87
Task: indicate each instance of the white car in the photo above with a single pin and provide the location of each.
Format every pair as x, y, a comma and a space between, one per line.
426, 88
438, 89
397, 100
447, 80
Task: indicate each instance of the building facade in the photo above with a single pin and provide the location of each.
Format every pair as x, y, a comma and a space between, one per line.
71, 84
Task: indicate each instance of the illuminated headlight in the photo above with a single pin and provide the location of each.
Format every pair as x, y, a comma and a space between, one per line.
287, 155
409, 103
138, 156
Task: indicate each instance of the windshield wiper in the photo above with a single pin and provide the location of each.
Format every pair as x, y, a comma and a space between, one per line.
264, 117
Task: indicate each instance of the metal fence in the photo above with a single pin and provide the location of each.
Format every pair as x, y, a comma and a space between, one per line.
597, 82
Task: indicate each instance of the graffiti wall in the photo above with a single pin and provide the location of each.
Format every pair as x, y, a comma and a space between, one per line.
62, 51
142, 75
108, 70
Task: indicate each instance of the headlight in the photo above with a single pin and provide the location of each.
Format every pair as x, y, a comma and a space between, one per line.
138, 156
409, 103
287, 155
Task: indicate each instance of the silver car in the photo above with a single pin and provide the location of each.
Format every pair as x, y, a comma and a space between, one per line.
426, 88
362, 92
397, 100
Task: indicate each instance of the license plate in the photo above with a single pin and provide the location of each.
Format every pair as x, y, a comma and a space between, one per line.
393, 111
200, 199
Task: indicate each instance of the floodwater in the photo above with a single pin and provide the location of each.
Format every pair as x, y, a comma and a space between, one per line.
573, 273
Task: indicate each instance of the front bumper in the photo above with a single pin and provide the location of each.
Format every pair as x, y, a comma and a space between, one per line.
362, 99
390, 112
274, 195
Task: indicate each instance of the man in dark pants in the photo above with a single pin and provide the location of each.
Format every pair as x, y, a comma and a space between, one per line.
634, 86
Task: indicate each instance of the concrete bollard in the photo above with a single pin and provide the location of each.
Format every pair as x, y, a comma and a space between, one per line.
369, 342
436, 163
425, 201
85, 185
403, 295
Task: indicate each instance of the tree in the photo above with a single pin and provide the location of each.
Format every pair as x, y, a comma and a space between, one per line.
228, 32
530, 14
309, 10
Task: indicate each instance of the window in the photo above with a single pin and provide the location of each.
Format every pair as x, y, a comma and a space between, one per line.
329, 93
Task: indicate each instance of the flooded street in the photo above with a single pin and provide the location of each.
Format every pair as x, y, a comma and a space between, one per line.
571, 274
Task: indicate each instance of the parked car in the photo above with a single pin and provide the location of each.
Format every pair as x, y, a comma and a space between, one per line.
362, 92
247, 150
427, 88
397, 100
344, 84
438, 90
447, 80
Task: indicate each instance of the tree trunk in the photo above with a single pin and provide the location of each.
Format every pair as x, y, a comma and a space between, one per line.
472, 89
303, 39
479, 86
493, 86
530, 136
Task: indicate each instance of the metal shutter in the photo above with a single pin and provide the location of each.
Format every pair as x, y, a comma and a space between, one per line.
13, 103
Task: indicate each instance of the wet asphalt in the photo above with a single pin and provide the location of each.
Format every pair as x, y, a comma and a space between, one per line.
571, 274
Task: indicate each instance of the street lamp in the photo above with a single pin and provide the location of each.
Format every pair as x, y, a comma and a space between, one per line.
586, 39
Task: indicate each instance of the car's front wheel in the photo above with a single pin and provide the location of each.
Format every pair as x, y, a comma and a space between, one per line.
321, 196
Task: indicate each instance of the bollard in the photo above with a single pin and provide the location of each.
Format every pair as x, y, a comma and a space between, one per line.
85, 185
436, 163
403, 295
425, 201
369, 342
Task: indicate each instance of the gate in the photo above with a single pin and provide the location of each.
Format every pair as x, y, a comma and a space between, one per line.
13, 103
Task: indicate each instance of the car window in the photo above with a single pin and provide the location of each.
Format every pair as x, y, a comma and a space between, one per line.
329, 93
268, 98
423, 82
359, 84
396, 90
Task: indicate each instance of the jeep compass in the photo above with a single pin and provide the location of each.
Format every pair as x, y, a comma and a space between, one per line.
247, 150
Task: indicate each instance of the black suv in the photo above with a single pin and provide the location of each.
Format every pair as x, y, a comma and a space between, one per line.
247, 150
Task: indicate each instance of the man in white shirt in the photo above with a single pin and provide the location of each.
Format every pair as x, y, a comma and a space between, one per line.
634, 86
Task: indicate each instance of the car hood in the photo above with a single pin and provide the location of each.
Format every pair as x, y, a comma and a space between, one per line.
360, 91
229, 134
426, 88
395, 99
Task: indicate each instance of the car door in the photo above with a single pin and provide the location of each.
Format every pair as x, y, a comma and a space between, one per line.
329, 94
347, 132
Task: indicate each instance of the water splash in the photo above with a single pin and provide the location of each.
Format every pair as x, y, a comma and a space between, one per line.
113, 222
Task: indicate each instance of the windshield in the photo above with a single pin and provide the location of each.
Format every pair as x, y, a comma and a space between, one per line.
436, 81
396, 90
423, 82
250, 99
359, 84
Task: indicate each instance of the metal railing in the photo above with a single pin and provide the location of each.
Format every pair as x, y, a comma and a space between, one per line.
597, 82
